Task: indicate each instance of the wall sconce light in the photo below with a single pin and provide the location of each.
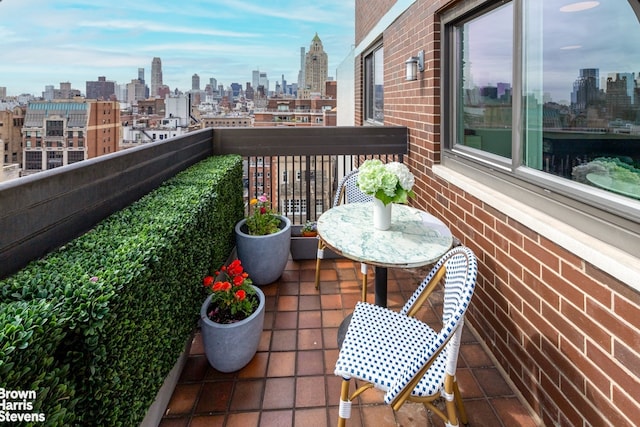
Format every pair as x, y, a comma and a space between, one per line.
414, 65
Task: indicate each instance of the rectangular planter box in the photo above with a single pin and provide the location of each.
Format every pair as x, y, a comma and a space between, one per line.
306, 247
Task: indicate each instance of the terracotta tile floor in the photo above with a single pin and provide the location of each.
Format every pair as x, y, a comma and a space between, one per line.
290, 381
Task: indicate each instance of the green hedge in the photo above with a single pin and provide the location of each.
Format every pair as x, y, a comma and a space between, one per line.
95, 327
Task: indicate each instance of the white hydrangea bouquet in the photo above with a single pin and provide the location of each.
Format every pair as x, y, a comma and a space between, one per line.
388, 182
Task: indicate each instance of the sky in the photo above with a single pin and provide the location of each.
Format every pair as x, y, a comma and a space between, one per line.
46, 42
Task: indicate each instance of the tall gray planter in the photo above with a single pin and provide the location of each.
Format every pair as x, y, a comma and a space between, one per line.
264, 258
230, 347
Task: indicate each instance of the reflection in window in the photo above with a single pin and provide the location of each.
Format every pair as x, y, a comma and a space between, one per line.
485, 72
582, 93
578, 89
374, 86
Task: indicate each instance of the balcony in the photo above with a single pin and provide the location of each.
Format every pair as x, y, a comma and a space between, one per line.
299, 334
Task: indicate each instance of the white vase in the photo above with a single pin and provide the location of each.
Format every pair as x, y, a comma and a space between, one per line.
381, 215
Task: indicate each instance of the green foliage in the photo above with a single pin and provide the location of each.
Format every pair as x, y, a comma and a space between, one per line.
95, 326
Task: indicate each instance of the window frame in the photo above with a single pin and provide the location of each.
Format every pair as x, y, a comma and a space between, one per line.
368, 80
609, 217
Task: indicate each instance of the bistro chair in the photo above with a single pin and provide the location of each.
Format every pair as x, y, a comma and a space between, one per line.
403, 356
347, 192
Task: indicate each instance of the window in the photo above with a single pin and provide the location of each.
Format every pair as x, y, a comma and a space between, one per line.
33, 160
484, 115
75, 156
55, 127
374, 86
54, 159
547, 104
296, 206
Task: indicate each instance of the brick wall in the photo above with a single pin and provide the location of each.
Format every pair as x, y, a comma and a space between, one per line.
566, 333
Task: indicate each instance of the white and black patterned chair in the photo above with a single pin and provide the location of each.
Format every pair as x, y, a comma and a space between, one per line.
347, 192
403, 356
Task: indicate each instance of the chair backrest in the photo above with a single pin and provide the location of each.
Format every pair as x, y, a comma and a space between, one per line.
348, 191
461, 270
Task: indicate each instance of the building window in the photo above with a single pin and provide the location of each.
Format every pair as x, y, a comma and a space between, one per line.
55, 128
374, 86
555, 109
75, 156
33, 160
54, 159
297, 206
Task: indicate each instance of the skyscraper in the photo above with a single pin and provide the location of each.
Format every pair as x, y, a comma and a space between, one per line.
301, 72
195, 82
156, 76
316, 67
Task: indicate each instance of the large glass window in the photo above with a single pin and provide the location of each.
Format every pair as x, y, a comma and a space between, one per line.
374, 85
581, 91
551, 87
485, 75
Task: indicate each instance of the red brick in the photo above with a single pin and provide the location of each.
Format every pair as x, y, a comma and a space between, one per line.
563, 326
567, 290
627, 403
628, 357
524, 292
540, 288
558, 400
525, 259
609, 414
579, 370
542, 325
627, 310
509, 233
616, 326
509, 263
581, 322
612, 367
548, 259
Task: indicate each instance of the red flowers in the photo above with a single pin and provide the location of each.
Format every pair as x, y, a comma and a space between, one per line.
233, 297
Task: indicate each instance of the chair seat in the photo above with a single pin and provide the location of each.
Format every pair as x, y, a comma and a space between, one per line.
380, 344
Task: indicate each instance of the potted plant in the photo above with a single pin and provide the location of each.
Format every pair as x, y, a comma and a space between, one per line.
232, 318
388, 183
309, 229
263, 241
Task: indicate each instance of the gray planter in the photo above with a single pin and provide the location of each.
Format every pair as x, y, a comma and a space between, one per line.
306, 247
230, 347
264, 258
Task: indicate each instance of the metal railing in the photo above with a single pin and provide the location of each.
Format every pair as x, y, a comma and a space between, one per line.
304, 165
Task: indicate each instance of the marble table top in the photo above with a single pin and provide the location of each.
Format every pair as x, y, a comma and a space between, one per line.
415, 238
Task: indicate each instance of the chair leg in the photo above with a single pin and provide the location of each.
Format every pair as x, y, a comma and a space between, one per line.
364, 270
319, 256
344, 410
458, 397
450, 400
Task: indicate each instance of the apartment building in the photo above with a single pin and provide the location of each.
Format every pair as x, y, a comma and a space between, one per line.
530, 155
62, 132
11, 122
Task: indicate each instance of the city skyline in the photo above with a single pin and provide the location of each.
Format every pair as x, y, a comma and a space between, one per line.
46, 43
